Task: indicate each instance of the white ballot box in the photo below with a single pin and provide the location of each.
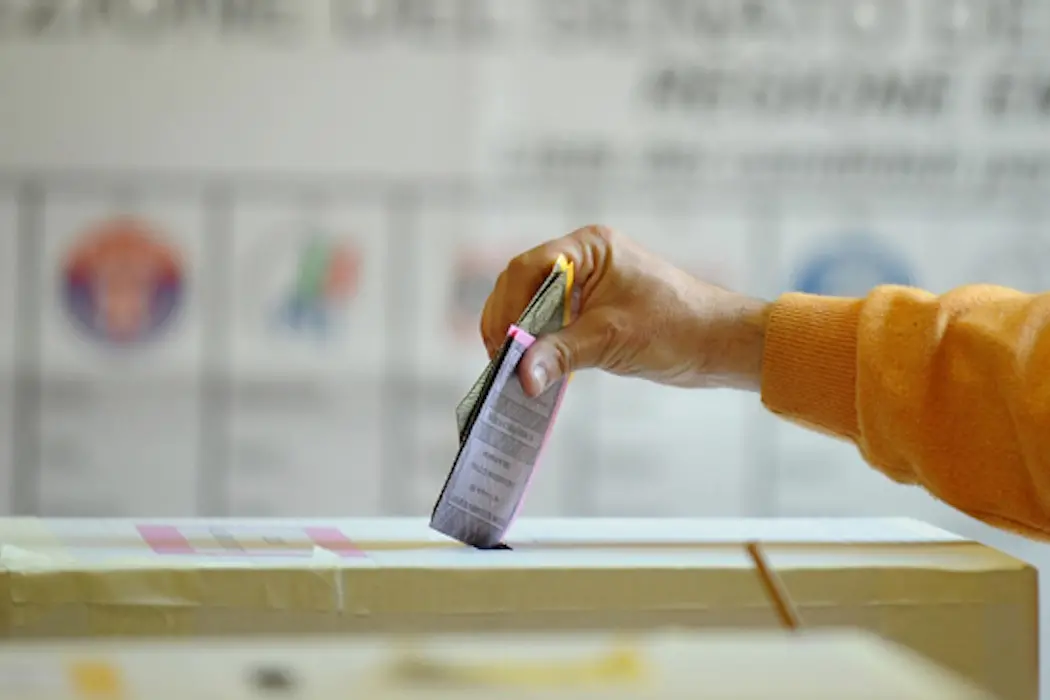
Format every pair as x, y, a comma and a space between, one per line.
965, 606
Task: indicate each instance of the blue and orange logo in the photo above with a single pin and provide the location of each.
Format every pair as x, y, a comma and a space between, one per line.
122, 283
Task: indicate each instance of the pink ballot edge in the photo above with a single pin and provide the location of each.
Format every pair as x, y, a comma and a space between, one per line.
526, 339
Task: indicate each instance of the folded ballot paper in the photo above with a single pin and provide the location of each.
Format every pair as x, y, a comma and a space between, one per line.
502, 431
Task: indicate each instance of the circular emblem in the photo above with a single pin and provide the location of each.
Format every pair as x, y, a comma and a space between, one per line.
305, 281
122, 283
851, 268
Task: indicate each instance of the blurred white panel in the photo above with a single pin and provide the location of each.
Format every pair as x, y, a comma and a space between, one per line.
461, 252
654, 76
312, 94
565, 479
712, 245
120, 355
961, 238
429, 412
822, 476
309, 340
998, 242
8, 334
668, 451
306, 446
845, 248
118, 449
9, 236
663, 450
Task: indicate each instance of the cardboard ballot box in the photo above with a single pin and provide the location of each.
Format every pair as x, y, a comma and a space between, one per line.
727, 666
963, 605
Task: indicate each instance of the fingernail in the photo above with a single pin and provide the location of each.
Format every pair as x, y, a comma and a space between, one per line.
540, 375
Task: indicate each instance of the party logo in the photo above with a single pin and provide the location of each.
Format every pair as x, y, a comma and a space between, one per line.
122, 283
851, 266
299, 283
322, 283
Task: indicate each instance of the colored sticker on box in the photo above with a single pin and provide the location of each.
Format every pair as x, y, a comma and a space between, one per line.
246, 541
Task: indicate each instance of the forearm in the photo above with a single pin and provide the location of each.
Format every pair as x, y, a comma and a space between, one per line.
949, 392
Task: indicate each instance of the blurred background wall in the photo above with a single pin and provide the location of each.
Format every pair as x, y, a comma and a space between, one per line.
244, 243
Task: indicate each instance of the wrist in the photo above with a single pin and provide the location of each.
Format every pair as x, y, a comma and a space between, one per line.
752, 319
733, 341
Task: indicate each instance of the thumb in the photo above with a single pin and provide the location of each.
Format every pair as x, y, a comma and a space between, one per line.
577, 346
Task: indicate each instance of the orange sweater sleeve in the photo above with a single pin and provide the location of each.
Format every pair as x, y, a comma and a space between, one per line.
949, 392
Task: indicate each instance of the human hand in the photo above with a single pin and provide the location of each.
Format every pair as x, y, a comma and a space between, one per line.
639, 316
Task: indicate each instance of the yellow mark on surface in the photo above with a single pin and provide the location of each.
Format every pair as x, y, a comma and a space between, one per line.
96, 680
615, 668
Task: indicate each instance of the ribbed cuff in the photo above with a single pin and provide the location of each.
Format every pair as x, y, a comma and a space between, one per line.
809, 366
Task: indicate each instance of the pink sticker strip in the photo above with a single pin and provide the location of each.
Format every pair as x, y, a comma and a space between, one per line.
171, 541
165, 539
